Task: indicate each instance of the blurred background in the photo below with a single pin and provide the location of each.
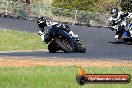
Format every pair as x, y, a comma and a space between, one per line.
81, 12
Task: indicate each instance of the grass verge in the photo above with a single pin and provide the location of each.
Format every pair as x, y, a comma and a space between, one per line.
55, 77
14, 40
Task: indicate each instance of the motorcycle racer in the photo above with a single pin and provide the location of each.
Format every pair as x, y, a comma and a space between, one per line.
119, 19
46, 29
42, 23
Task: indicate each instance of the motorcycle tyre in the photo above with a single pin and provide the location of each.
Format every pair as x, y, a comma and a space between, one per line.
63, 46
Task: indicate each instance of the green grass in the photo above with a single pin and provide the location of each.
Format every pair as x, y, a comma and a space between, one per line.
55, 77
14, 40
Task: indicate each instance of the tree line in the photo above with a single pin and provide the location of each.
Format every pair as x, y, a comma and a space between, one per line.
87, 5
93, 5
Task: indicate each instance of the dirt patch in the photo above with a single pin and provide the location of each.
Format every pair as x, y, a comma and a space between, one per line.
17, 62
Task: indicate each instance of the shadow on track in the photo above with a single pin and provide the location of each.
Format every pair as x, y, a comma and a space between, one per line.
126, 41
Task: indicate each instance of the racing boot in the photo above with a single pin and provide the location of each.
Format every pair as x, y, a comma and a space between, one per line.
118, 39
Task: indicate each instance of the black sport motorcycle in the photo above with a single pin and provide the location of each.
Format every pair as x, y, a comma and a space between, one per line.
61, 40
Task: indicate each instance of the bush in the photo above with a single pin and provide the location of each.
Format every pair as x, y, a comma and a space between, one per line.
86, 5
126, 5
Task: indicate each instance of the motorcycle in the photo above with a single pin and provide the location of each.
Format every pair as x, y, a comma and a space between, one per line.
127, 32
61, 40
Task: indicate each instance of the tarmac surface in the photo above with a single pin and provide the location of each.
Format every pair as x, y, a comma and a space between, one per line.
99, 42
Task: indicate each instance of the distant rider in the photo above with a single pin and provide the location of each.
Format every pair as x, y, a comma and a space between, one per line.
44, 33
120, 19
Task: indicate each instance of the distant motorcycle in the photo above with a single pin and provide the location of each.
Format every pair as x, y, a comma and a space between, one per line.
61, 40
127, 32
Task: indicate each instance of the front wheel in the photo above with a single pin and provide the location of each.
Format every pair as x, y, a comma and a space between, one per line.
81, 48
52, 47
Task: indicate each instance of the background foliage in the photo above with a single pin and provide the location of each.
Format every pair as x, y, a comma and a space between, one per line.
93, 5
86, 5
126, 5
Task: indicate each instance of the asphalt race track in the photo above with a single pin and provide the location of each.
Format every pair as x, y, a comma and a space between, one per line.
99, 42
